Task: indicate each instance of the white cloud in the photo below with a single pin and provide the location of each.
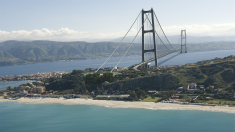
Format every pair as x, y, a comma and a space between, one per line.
203, 30
65, 34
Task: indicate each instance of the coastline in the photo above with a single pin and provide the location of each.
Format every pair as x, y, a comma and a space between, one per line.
124, 104
27, 63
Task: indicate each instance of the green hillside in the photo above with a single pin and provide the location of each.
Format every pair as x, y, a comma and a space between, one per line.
5, 55
219, 74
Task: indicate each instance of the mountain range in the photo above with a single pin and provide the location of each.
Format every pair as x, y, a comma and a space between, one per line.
24, 52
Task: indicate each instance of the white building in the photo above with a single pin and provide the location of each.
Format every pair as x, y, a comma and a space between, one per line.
192, 85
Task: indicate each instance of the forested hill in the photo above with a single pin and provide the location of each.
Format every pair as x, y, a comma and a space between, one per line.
23, 52
219, 74
20, 52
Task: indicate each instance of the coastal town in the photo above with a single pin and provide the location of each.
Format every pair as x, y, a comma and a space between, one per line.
35, 76
192, 91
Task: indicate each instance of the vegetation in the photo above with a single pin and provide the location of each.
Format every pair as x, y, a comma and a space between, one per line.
218, 75
217, 102
96, 78
73, 82
185, 99
153, 99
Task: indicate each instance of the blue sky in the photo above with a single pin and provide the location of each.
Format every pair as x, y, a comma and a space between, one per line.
107, 19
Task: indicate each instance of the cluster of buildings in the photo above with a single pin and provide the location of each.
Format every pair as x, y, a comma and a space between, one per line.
26, 90
29, 90
40, 88
192, 87
106, 69
36, 76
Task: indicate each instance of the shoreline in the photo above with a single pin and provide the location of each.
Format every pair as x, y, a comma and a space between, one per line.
123, 104
61, 61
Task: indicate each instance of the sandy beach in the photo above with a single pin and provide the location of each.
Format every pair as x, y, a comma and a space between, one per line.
124, 104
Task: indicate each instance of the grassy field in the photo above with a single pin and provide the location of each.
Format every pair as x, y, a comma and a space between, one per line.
217, 102
185, 99
213, 101
151, 99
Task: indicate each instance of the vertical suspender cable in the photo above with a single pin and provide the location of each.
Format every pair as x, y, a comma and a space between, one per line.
159, 36
162, 30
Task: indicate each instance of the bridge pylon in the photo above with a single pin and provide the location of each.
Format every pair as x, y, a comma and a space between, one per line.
149, 31
183, 41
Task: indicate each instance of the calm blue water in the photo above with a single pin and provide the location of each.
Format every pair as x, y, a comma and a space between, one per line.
12, 84
126, 62
196, 56
16, 117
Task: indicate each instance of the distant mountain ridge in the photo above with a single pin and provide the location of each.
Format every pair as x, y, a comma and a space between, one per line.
24, 52
173, 39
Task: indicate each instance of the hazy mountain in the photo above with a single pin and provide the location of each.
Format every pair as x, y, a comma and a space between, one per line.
23, 52
47, 51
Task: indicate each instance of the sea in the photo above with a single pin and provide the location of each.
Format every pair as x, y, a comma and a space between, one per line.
19, 117
12, 84
177, 59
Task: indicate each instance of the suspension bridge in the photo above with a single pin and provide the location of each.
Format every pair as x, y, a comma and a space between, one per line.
154, 42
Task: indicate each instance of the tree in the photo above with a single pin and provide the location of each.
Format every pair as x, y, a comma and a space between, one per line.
9, 88
209, 90
133, 96
97, 90
199, 92
108, 75
166, 95
184, 92
35, 83
120, 86
69, 81
102, 89
140, 93
234, 86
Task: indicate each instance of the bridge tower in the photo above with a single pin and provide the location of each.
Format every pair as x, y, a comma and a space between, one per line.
183, 40
149, 31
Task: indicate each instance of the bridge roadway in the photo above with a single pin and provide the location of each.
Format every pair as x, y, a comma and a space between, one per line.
135, 66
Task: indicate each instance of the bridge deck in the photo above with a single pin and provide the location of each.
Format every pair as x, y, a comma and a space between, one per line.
135, 66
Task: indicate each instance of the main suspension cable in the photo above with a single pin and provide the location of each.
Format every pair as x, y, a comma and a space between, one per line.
119, 43
162, 29
130, 45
